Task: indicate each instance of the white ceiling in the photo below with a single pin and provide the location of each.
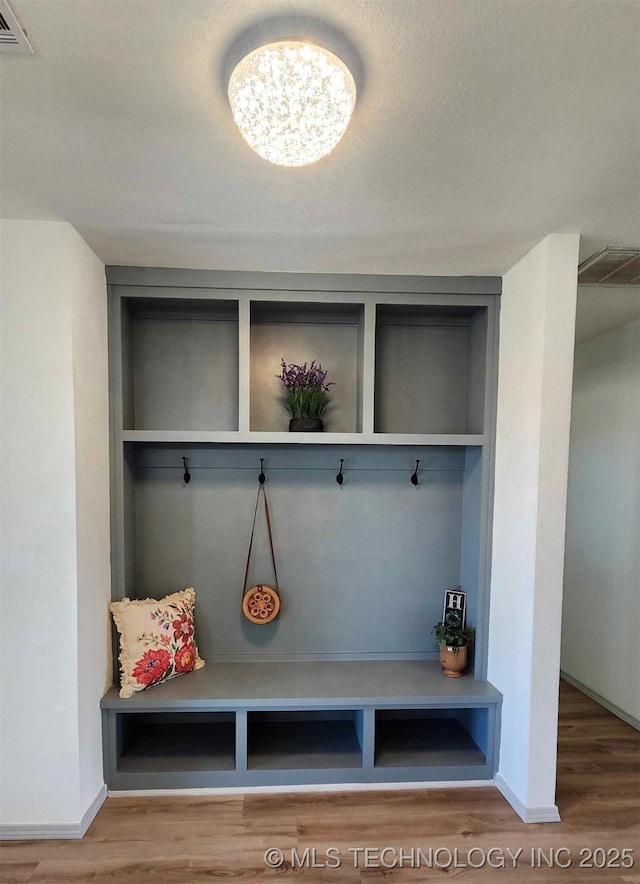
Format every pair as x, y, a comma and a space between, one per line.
602, 308
480, 127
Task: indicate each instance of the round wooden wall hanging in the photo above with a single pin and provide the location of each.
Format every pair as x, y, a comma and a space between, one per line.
261, 603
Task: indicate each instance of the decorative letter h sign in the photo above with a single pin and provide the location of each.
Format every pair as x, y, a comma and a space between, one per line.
455, 607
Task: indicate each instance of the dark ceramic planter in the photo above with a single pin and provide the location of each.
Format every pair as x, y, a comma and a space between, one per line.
305, 425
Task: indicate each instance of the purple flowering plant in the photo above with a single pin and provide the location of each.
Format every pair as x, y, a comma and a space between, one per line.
306, 389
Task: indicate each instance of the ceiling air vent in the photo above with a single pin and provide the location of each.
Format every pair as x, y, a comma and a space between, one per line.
12, 37
611, 267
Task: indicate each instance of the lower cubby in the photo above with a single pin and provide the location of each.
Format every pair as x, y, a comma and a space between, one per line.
304, 740
153, 742
431, 737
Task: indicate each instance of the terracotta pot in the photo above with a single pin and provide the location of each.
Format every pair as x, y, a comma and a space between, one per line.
454, 661
305, 425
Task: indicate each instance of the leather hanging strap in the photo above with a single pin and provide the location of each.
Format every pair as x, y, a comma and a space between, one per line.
262, 489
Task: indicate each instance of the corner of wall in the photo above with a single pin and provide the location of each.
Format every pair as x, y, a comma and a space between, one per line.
55, 524
537, 328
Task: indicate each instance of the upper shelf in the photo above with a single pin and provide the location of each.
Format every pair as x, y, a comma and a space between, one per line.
204, 369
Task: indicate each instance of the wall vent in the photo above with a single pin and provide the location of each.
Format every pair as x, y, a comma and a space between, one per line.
611, 267
12, 37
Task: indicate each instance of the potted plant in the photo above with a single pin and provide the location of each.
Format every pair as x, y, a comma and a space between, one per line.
453, 640
306, 395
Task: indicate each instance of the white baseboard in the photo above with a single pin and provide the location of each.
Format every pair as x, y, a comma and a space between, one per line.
330, 787
63, 831
549, 814
611, 707
92, 811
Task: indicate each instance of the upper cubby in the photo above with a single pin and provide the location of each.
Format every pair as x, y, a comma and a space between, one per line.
179, 364
195, 356
430, 368
298, 332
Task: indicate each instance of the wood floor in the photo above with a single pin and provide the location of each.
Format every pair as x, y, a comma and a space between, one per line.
189, 840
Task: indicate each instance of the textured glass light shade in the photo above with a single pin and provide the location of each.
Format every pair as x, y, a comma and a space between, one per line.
292, 101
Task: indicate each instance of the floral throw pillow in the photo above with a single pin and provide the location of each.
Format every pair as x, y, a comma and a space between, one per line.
156, 640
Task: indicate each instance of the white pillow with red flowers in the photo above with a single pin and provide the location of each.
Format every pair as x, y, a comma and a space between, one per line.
156, 640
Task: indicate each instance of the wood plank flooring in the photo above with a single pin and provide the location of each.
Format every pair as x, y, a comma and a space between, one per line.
194, 840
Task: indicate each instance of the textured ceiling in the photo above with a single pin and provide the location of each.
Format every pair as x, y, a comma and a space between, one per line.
480, 127
603, 308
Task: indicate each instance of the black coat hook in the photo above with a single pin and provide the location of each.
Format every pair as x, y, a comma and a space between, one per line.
262, 478
340, 477
414, 477
187, 475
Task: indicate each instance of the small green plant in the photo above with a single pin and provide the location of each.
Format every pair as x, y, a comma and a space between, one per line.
449, 634
306, 389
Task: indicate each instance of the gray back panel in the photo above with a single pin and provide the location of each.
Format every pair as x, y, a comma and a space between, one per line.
362, 567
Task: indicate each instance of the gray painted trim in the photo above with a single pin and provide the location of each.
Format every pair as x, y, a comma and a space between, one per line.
486, 696
116, 463
368, 737
272, 657
340, 299
357, 457
527, 814
303, 282
368, 363
310, 789
488, 473
260, 438
64, 831
299, 777
242, 743
115, 423
108, 752
608, 705
244, 366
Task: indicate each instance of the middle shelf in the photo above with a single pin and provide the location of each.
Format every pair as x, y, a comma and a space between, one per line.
221, 437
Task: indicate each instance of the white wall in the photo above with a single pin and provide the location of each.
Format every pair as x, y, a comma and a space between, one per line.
91, 401
537, 324
55, 518
55, 572
601, 612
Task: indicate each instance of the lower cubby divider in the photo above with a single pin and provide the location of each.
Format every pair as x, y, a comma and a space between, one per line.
241, 740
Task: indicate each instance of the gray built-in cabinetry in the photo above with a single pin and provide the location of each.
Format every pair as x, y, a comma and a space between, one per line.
345, 686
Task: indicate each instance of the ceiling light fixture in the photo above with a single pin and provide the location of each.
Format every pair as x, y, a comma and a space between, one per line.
292, 101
